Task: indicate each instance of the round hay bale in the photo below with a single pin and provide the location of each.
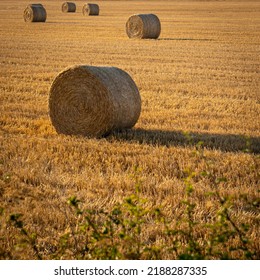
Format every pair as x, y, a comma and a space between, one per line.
68, 7
35, 13
143, 26
90, 10
93, 101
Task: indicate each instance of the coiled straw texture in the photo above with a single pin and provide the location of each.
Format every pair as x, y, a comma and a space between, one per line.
35, 13
93, 101
90, 10
68, 7
143, 26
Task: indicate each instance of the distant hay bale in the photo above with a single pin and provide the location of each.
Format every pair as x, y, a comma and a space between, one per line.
68, 7
35, 13
93, 101
143, 26
90, 10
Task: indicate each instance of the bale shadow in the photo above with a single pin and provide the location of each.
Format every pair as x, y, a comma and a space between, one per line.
183, 39
223, 142
64, 22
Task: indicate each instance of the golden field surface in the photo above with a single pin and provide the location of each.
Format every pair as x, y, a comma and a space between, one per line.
199, 84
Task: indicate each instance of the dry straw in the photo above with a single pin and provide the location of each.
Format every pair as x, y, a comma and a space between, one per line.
93, 101
143, 26
90, 10
68, 7
35, 13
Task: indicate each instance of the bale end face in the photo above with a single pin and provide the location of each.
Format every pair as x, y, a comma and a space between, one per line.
93, 101
143, 26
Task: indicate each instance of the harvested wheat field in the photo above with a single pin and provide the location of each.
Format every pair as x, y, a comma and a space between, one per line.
183, 183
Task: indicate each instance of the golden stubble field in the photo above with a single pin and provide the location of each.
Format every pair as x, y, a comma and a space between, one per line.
199, 84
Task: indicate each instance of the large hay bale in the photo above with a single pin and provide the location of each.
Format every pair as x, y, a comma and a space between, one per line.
68, 7
143, 26
90, 10
35, 13
93, 101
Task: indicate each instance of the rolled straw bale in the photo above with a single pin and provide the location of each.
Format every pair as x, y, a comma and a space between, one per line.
92, 101
35, 13
68, 7
143, 26
90, 10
